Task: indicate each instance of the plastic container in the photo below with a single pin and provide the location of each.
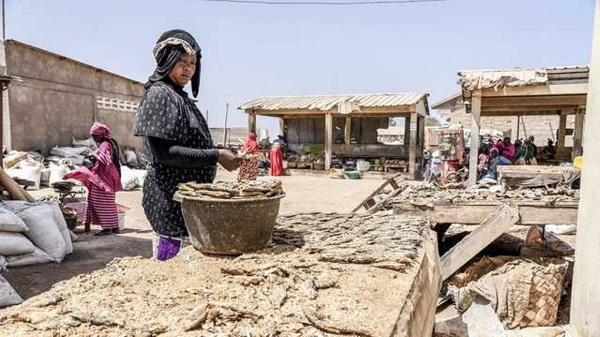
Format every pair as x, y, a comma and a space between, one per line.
353, 174
229, 227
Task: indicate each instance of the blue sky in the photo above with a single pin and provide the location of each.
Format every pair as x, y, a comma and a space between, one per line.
254, 50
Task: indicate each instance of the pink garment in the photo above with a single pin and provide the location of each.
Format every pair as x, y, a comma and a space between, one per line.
105, 169
509, 152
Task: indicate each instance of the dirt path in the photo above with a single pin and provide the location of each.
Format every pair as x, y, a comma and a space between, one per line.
303, 194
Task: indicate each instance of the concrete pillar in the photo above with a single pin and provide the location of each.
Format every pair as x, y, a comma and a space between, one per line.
585, 300
328, 140
475, 126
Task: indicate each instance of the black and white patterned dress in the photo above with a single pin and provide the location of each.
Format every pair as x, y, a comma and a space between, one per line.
180, 149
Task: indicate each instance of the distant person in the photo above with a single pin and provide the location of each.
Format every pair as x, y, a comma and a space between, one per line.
276, 158
177, 141
533, 146
249, 168
265, 143
105, 181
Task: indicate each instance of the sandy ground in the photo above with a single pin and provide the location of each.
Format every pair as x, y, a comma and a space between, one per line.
303, 194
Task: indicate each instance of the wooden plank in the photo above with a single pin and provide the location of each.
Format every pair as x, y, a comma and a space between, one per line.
529, 214
475, 125
489, 230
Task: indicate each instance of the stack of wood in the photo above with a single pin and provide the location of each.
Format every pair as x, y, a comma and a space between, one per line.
232, 190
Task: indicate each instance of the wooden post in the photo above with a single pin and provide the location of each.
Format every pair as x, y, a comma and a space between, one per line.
562, 135
412, 150
328, 140
348, 132
474, 150
585, 298
578, 134
251, 122
406, 131
282, 126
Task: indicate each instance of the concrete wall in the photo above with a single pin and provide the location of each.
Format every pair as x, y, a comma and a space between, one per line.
58, 100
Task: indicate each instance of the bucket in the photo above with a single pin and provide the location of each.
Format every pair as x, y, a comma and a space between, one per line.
229, 227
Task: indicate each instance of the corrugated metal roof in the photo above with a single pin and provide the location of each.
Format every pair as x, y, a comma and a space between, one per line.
328, 102
517, 77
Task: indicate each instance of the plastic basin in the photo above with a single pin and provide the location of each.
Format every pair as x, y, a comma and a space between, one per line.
229, 226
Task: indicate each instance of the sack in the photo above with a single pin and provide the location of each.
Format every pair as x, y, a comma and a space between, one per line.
45, 177
61, 223
14, 244
57, 172
45, 231
128, 179
89, 143
10, 222
68, 152
8, 296
131, 159
37, 257
141, 176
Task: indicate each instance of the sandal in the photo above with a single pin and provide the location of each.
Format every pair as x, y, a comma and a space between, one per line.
116, 231
103, 232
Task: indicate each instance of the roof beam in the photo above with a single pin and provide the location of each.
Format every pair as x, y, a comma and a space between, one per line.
538, 90
526, 101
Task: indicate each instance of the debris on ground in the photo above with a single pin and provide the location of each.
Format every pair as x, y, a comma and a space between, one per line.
323, 275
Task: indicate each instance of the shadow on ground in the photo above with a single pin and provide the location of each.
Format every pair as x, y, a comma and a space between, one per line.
90, 253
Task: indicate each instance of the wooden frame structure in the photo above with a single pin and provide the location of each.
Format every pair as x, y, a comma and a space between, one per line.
412, 106
526, 92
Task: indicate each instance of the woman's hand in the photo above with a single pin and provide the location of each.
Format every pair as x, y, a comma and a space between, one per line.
228, 160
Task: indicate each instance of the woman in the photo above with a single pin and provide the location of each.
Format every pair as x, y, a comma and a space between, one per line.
276, 158
249, 168
104, 182
176, 138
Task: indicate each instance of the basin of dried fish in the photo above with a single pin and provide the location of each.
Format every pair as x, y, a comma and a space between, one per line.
231, 190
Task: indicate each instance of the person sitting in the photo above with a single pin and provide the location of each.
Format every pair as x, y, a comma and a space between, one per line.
506, 151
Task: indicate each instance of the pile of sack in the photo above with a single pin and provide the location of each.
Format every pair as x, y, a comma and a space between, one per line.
30, 233
37, 171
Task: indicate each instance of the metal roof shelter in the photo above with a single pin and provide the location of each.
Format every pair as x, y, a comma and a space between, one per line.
412, 106
526, 92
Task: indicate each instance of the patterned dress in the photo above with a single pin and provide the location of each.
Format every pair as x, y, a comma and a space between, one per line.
104, 182
167, 113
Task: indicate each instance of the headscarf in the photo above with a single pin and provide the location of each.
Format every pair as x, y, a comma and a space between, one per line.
250, 145
99, 129
170, 47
